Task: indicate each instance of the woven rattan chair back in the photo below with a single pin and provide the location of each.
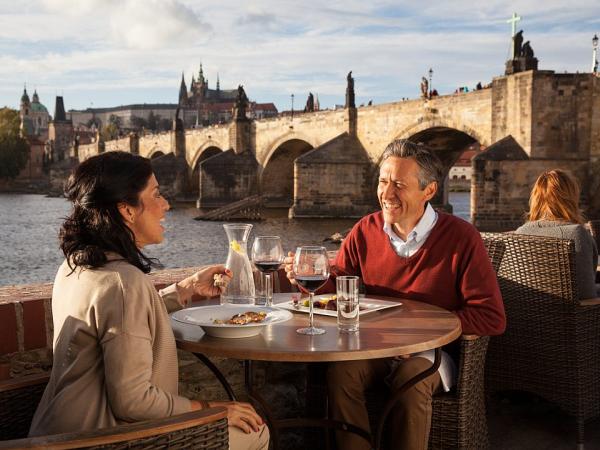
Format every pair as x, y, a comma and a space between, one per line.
551, 346
202, 430
18, 402
594, 227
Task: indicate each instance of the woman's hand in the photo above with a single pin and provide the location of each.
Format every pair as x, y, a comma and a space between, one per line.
203, 283
288, 264
241, 415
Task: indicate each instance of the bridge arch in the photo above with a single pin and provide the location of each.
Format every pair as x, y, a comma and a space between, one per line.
414, 129
276, 178
208, 149
199, 155
278, 142
449, 140
156, 153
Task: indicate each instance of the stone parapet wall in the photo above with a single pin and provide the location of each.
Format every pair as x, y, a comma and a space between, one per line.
511, 108
122, 144
87, 151
150, 144
560, 115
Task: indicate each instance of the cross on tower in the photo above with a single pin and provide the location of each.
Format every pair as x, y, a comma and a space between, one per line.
513, 21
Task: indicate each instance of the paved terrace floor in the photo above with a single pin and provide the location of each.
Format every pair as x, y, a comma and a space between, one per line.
524, 422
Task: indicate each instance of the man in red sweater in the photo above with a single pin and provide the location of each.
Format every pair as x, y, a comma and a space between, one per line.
411, 251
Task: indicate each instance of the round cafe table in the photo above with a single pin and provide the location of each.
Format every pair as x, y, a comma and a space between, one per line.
402, 330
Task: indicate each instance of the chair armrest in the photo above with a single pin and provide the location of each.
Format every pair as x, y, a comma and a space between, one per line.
590, 301
23, 382
470, 337
122, 433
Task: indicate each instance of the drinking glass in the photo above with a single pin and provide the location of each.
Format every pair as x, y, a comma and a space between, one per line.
267, 256
347, 303
311, 271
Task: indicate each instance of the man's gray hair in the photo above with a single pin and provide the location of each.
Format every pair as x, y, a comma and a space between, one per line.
430, 167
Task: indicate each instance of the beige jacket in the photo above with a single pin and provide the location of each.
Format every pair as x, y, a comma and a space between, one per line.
115, 359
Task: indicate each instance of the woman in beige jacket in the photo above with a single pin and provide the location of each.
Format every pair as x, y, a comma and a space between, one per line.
115, 359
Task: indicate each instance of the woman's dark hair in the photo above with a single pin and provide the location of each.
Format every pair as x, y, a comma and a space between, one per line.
95, 226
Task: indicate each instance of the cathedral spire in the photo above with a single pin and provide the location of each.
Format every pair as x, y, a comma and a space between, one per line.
25, 96
200, 75
182, 90
218, 83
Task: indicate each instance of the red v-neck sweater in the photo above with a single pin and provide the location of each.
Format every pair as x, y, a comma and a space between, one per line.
451, 269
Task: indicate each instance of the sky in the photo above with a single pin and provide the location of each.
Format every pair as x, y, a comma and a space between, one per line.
102, 53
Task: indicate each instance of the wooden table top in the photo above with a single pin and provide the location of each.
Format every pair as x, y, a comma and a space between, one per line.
410, 328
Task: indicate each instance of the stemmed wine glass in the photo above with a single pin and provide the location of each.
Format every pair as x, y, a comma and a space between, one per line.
311, 271
267, 256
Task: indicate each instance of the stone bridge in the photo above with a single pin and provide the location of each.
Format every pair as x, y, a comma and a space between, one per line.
324, 164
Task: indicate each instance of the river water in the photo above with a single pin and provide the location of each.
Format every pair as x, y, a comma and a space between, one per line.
29, 227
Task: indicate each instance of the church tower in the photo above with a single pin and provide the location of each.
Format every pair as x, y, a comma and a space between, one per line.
182, 91
60, 132
25, 103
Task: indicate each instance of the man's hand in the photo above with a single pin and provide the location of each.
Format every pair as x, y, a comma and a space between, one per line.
288, 264
204, 283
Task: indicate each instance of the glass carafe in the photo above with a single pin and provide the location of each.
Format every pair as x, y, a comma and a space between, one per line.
240, 289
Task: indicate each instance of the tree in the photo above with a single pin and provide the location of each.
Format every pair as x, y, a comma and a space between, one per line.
109, 132
115, 120
164, 124
14, 150
152, 121
138, 122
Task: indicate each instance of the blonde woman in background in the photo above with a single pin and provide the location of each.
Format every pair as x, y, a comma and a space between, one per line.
554, 212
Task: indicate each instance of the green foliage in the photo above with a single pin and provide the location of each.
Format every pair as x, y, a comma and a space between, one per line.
138, 122
115, 120
93, 122
152, 121
109, 132
164, 124
14, 150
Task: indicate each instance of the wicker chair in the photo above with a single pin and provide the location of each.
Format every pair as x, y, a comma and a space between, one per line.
551, 346
458, 417
204, 429
594, 227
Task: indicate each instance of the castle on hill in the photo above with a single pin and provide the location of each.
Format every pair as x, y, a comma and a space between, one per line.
201, 106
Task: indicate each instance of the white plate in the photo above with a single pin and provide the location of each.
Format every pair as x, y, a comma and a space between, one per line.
367, 305
204, 316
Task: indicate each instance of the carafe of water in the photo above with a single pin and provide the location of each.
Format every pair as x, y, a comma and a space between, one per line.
240, 289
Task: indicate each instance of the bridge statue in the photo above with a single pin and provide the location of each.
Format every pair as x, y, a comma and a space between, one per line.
523, 59
310, 103
350, 91
241, 104
424, 88
517, 43
527, 51
177, 122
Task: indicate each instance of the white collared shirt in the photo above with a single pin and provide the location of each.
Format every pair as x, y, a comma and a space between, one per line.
416, 238
414, 241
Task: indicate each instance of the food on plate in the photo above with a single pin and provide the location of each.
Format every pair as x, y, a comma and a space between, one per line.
243, 318
329, 302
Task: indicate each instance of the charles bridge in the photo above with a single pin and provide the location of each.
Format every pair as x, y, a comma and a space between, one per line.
323, 164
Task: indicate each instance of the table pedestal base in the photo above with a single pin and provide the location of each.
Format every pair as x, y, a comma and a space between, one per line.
276, 424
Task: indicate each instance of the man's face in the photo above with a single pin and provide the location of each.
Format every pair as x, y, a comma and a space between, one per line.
402, 200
